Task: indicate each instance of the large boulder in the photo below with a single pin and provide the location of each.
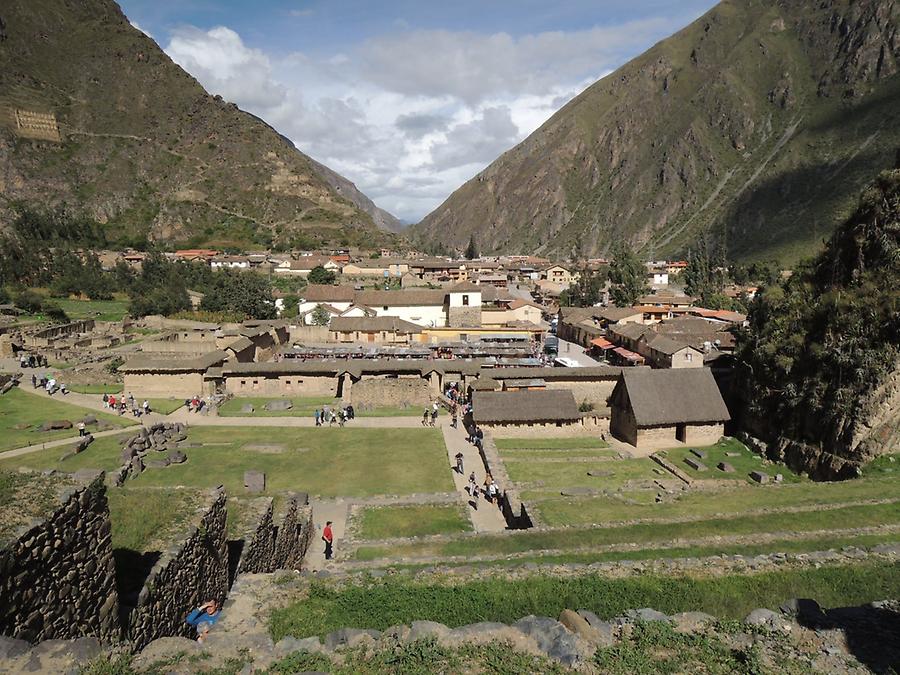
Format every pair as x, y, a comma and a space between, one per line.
551, 637
55, 425
177, 457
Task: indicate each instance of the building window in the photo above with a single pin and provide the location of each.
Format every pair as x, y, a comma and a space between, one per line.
385, 308
465, 301
688, 357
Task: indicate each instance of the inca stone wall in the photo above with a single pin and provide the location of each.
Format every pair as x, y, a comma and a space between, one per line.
259, 542
391, 393
294, 535
58, 576
194, 571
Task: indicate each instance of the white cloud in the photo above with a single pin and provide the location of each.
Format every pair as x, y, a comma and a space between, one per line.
410, 116
140, 28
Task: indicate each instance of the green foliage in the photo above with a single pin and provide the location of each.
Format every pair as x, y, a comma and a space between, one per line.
77, 275
4, 296
386, 602
585, 290
108, 664
320, 316
472, 248
54, 312
627, 275
243, 293
704, 277
160, 288
319, 275
822, 340
28, 301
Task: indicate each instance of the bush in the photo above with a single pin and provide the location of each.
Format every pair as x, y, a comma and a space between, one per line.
29, 301
54, 312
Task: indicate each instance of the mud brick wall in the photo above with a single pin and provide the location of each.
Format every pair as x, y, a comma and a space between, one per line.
188, 574
58, 576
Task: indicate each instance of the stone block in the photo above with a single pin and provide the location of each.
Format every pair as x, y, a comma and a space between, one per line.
699, 454
279, 405
578, 492
760, 477
158, 463
255, 481
695, 464
55, 425
726, 467
350, 637
177, 457
779, 478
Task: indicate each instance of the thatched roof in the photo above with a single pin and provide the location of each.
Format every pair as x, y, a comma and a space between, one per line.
326, 293
543, 405
597, 372
409, 298
390, 324
671, 396
155, 364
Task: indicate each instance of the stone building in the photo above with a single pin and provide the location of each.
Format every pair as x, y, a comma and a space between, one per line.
539, 408
160, 377
656, 407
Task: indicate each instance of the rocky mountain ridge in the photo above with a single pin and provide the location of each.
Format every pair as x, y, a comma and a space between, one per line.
96, 117
759, 122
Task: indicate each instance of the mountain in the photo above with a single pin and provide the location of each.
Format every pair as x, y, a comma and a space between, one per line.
760, 121
94, 115
819, 372
348, 190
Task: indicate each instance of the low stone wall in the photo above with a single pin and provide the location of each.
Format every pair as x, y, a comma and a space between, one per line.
259, 540
193, 571
390, 392
58, 577
515, 512
294, 535
590, 424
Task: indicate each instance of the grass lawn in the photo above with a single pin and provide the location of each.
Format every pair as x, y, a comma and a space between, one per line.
98, 389
101, 310
409, 411
329, 462
304, 406
745, 462
21, 414
385, 522
577, 443
391, 600
646, 534
144, 520
165, 406
26, 496
554, 475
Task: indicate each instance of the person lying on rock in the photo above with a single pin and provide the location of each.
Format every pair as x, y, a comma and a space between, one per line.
203, 618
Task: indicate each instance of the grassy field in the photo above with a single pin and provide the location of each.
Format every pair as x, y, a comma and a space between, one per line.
556, 475
303, 406
744, 462
101, 310
384, 522
391, 601
98, 389
645, 534
21, 414
144, 519
328, 462
26, 496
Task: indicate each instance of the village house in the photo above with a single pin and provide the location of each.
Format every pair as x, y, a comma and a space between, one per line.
374, 329
191, 254
660, 407
558, 274
306, 264
676, 267
233, 262
539, 409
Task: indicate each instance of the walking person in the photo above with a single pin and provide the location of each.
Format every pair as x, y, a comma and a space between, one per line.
459, 464
318, 418
425, 418
434, 414
328, 538
81, 429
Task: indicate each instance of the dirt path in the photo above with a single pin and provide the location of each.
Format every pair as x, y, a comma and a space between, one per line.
487, 517
337, 511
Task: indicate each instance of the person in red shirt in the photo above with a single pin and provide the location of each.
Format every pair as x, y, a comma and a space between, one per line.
328, 538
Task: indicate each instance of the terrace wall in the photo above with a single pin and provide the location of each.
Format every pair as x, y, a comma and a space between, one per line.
191, 572
164, 385
282, 385
259, 542
294, 535
58, 577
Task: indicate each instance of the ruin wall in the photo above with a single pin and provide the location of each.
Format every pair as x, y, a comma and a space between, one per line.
58, 576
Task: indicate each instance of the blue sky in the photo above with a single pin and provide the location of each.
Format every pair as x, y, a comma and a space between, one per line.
407, 99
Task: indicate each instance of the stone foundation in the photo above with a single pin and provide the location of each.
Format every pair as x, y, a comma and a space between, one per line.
58, 576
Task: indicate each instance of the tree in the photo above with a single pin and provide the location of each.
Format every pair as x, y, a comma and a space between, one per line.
28, 301
320, 316
159, 289
472, 249
585, 291
628, 277
319, 275
704, 276
244, 293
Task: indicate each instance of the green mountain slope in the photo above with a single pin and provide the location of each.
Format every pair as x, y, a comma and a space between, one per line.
760, 121
142, 147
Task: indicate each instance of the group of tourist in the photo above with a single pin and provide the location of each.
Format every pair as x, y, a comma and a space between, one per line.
429, 417
328, 416
32, 361
489, 490
195, 404
123, 404
48, 382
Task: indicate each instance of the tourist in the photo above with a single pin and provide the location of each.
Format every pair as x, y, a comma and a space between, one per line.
473, 491
318, 416
479, 438
351, 412
434, 414
453, 416
488, 488
146, 406
63, 389
81, 430
328, 538
459, 464
425, 416
33, 381
105, 400
203, 618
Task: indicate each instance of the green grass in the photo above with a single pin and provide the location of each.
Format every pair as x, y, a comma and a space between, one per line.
391, 600
304, 406
739, 498
577, 443
796, 544
101, 310
329, 462
384, 522
19, 409
744, 463
165, 406
645, 533
146, 519
555, 475
99, 389
26, 496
